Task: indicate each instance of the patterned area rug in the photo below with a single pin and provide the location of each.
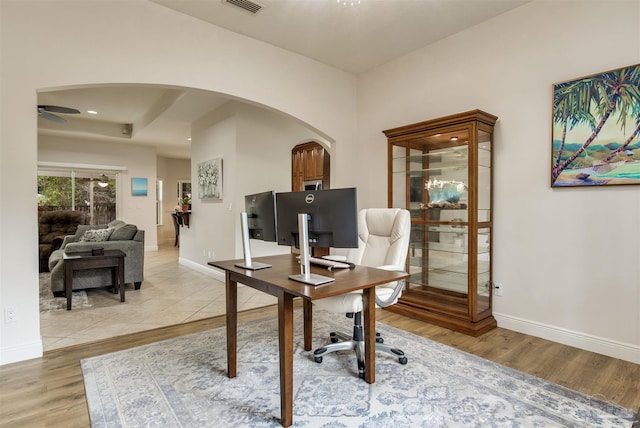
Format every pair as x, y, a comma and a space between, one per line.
182, 383
79, 298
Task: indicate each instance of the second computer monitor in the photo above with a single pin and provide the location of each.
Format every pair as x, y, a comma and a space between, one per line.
332, 221
261, 215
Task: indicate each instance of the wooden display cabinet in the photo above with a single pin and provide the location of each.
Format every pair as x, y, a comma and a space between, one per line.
441, 171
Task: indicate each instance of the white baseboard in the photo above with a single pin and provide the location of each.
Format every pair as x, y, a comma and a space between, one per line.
207, 270
600, 345
21, 352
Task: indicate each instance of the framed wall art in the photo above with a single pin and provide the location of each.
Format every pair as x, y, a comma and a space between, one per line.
210, 179
596, 130
138, 186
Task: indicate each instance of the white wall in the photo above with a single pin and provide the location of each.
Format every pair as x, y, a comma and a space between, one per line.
125, 42
567, 258
170, 171
137, 161
255, 145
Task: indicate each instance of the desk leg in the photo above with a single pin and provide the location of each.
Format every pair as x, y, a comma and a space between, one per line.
285, 329
232, 325
368, 300
121, 277
308, 323
68, 282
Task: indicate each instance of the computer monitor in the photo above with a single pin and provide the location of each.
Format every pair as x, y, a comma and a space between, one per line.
333, 217
261, 215
317, 218
258, 221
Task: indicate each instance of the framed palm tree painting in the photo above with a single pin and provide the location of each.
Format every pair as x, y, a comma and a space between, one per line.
596, 130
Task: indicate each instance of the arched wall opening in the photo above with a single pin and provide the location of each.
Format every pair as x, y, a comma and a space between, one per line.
192, 54
230, 129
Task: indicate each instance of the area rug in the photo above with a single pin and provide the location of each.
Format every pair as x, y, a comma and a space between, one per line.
182, 382
48, 302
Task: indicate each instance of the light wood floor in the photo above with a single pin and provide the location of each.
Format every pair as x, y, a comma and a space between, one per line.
49, 391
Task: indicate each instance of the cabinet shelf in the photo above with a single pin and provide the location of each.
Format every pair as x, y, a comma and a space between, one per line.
441, 170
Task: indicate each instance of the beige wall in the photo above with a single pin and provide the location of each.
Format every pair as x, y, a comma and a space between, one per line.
255, 145
170, 171
567, 258
129, 42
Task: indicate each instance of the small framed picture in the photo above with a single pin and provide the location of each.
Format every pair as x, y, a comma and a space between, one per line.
138, 186
210, 179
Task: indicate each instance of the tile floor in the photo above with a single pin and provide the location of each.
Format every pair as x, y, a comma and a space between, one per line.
170, 294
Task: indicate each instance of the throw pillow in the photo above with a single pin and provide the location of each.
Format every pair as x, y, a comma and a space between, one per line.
84, 227
97, 235
116, 223
124, 233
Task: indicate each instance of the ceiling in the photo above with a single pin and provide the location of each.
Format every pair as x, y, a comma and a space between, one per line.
353, 37
154, 116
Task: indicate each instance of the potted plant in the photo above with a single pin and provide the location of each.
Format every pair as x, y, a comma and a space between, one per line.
186, 202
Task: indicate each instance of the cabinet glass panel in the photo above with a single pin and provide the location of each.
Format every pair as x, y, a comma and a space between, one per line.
417, 253
484, 176
440, 260
417, 192
448, 255
399, 176
484, 269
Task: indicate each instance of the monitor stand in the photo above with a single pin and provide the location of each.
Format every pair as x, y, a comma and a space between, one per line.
305, 275
246, 248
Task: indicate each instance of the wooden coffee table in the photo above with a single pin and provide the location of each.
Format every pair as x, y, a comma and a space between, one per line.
85, 260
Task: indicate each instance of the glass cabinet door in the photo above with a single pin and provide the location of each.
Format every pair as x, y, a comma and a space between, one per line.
484, 279
438, 168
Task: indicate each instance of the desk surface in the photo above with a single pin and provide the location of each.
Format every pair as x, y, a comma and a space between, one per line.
346, 280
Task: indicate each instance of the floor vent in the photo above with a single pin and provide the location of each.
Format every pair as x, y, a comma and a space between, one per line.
247, 5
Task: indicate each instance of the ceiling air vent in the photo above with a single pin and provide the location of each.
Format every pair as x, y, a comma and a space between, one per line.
247, 5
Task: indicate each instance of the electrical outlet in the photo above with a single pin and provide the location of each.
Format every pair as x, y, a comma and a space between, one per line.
204, 252
10, 314
497, 289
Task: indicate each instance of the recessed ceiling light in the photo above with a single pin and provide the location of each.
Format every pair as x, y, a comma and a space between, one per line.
454, 138
92, 112
189, 139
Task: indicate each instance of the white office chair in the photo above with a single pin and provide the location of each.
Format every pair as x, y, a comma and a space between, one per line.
383, 243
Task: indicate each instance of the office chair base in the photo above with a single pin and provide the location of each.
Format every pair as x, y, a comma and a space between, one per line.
342, 342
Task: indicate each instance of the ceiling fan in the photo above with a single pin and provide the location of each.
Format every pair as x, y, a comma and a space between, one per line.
45, 112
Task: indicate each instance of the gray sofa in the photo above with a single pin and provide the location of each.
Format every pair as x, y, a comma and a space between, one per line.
125, 237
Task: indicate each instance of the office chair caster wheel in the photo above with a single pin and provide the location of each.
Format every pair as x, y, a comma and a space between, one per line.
379, 339
319, 359
333, 337
403, 360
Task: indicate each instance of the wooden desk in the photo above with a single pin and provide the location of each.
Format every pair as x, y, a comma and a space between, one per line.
275, 281
85, 260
